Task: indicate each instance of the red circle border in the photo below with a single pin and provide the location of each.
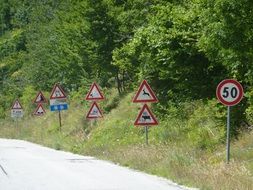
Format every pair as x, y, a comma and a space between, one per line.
220, 98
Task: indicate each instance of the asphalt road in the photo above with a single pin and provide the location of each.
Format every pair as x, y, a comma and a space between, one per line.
27, 166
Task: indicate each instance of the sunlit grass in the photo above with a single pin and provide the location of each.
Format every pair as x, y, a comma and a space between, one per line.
175, 149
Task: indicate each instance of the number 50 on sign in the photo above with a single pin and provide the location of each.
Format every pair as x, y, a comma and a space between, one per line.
229, 92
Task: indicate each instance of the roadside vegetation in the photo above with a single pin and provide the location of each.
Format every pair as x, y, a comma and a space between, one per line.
187, 146
183, 48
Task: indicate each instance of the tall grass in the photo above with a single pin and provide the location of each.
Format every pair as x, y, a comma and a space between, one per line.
187, 147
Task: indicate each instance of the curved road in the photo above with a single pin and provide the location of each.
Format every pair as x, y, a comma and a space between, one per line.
27, 166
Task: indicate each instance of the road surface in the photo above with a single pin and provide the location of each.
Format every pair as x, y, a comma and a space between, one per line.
27, 166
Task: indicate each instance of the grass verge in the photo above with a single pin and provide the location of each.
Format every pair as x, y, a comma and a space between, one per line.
188, 148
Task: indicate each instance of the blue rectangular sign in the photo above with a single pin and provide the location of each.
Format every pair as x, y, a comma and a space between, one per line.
58, 107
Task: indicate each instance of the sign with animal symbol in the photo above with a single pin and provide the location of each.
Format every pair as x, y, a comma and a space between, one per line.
145, 94
94, 93
57, 92
145, 117
40, 98
94, 112
39, 110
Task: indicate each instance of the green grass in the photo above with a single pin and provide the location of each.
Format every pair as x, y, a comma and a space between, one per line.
187, 148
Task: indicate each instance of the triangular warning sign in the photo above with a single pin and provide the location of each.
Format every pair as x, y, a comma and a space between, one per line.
94, 112
16, 105
145, 94
57, 92
145, 117
39, 110
94, 93
40, 98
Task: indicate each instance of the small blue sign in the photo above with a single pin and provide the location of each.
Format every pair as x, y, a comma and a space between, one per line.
58, 107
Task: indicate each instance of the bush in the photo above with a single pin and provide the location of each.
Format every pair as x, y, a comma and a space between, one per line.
206, 125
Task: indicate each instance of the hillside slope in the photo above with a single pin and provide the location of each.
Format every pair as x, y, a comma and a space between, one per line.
186, 147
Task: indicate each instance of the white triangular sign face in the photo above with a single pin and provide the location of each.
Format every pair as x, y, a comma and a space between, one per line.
94, 93
40, 98
16, 105
94, 112
57, 92
145, 94
145, 117
39, 110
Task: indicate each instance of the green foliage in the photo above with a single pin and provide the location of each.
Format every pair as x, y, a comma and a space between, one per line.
185, 146
117, 128
206, 125
29, 94
183, 48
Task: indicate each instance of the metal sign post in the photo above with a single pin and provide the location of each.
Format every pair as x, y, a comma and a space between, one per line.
228, 134
146, 131
145, 118
16, 122
16, 113
16, 126
60, 119
58, 101
229, 92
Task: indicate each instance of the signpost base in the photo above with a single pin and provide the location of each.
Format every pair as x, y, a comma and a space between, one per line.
146, 132
60, 120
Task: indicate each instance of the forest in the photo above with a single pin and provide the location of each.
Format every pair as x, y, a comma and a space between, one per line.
183, 48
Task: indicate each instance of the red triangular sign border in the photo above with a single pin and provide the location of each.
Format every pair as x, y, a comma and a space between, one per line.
55, 86
145, 83
101, 97
38, 107
88, 116
137, 121
15, 103
40, 93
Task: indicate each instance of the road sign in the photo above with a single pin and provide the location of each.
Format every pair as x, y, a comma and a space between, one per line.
55, 102
58, 99
57, 92
145, 94
58, 104
17, 113
16, 105
145, 117
58, 107
39, 110
94, 112
94, 93
17, 110
229, 92
40, 98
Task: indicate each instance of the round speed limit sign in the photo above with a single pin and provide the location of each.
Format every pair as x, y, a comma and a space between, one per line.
229, 92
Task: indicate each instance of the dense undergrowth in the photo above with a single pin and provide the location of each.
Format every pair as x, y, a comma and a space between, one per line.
187, 146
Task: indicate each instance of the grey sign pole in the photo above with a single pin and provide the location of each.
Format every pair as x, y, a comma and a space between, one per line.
146, 131
228, 134
60, 119
229, 92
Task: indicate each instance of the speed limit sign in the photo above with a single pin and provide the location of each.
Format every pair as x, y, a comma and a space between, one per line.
229, 92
